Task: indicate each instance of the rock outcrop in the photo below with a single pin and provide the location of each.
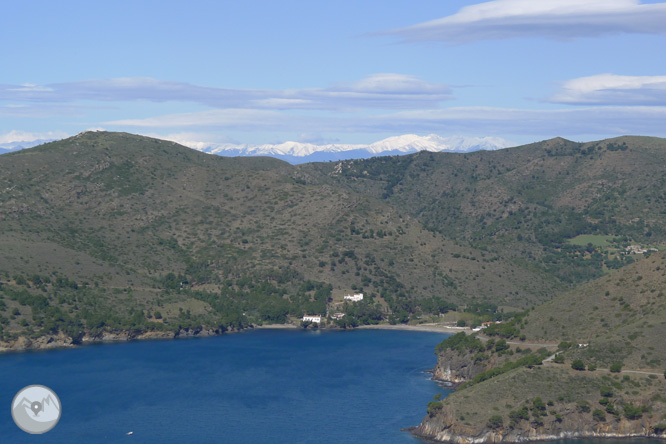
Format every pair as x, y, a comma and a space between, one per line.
61, 340
457, 368
445, 428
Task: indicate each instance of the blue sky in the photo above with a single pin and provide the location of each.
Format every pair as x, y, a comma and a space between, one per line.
262, 71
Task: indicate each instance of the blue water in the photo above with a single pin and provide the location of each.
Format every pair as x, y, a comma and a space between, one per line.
265, 386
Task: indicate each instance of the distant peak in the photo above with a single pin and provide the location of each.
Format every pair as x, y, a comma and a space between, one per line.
402, 144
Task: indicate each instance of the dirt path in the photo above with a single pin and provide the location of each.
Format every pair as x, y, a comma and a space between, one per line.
531, 344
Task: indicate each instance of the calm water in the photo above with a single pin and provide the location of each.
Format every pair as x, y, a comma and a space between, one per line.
267, 386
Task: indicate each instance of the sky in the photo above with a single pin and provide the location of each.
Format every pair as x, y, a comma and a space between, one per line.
266, 71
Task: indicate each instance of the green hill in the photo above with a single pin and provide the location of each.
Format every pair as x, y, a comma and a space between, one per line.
529, 204
608, 377
107, 231
111, 231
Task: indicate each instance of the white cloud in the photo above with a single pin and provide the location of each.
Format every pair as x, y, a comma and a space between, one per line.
194, 140
388, 91
462, 120
243, 119
15, 136
30, 87
611, 89
560, 19
559, 122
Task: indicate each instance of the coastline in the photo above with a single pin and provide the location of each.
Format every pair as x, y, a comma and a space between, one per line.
61, 341
433, 328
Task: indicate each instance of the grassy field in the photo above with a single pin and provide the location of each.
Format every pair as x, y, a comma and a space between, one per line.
596, 240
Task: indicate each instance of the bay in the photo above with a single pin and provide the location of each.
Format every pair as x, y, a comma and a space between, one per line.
261, 386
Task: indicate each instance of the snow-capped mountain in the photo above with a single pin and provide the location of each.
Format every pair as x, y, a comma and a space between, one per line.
297, 152
15, 146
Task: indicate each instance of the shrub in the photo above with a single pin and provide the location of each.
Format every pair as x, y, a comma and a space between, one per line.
616, 368
606, 392
591, 367
538, 405
578, 365
659, 429
434, 406
559, 359
517, 415
583, 406
599, 415
495, 422
461, 342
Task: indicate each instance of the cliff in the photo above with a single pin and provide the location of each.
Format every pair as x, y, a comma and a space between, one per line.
458, 367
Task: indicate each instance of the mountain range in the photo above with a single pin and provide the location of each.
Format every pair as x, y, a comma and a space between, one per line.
298, 152
15, 146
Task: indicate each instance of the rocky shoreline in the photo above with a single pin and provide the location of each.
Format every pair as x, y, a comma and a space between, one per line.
61, 340
531, 434
567, 422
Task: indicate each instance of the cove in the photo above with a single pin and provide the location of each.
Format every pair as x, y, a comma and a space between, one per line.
261, 386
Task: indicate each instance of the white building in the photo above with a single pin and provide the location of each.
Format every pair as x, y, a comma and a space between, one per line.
354, 297
338, 315
308, 318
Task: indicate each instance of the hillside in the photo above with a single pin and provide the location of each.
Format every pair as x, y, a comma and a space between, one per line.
111, 232
107, 231
529, 204
617, 322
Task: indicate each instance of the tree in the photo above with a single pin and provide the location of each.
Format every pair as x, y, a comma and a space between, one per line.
577, 364
633, 411
461, 323
616, 368
501, 345
558, 359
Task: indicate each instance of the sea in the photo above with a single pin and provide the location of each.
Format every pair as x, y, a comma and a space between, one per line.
259, 386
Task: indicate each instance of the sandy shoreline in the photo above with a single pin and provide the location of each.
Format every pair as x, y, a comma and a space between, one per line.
435, 328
